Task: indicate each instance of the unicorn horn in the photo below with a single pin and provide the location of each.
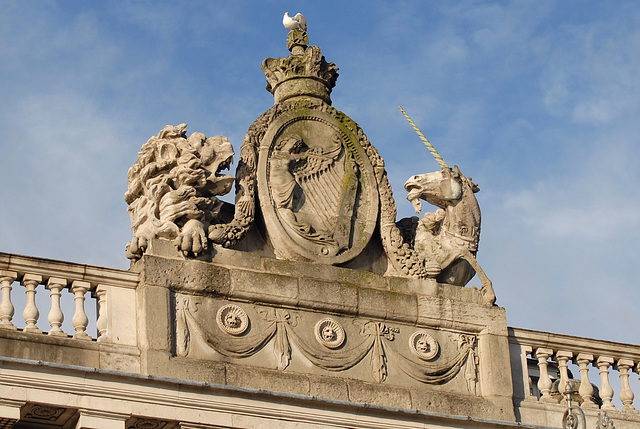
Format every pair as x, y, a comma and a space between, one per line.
426, 142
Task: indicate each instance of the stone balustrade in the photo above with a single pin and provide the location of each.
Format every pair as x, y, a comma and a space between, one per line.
112, 290
531, 350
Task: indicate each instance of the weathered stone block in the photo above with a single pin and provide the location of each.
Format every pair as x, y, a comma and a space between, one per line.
277, 381
43, 348
452, 404
163, 364
328, 296
195, 276
386, 304
329, 388
154, 317
379, 394
435, 312
413, 286
111, 360
256, 286
362, 278
235, 258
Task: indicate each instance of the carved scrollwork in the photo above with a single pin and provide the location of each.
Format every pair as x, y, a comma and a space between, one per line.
329, 333
423, 345
232, 319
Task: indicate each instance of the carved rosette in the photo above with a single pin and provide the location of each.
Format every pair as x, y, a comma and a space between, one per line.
423, 345
232, 319
329, 333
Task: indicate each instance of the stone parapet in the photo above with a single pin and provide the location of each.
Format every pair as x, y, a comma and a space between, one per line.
319, 330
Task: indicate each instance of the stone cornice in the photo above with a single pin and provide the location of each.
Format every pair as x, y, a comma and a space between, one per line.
173, 399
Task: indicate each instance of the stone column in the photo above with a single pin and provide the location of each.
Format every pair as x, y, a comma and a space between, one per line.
544, 383
626, 394
56, 317
562, 357
80, 319
31, 313
586, 389
6, 307
606, 392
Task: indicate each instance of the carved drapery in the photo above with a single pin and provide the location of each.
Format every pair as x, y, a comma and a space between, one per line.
373, 342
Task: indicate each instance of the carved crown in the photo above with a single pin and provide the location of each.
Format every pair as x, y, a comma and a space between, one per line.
304, 72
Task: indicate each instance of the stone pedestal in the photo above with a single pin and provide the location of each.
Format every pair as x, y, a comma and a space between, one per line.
323, 331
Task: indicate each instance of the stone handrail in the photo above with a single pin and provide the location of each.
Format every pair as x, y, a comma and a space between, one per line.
583, 352
113, 289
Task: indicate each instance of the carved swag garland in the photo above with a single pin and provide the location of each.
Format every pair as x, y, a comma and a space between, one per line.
374, 342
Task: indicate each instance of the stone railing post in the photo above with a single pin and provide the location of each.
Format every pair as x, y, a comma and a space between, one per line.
626, 394
606, 392
562, 357
31, 313
6, 306
103, 311
56, 316
544, 383
117, 315
80, 319
586, 389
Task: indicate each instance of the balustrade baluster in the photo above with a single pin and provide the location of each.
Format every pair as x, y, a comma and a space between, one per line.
606, 392
544, 382
6, 306
101, 323
80, 319
56, 317
31, 313
586, 389
562, 357
626, 394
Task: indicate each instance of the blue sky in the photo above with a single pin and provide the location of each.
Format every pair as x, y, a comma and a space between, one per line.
538, 101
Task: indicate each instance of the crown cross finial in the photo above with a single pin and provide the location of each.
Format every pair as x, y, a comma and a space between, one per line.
303, 73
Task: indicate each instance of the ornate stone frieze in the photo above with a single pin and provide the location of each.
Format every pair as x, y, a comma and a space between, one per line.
361, 347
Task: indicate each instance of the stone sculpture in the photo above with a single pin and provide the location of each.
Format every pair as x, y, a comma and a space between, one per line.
173, 189
311, 166
450, 235
311, 181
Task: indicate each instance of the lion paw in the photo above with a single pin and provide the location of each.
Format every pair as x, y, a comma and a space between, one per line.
192, 238
136, 247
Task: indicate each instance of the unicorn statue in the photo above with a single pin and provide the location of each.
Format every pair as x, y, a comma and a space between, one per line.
447, 238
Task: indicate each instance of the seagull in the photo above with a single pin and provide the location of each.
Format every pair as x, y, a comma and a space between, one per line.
298, 22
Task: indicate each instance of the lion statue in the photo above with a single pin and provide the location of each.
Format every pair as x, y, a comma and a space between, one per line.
173, 187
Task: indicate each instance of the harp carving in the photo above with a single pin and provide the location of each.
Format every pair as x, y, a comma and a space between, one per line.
314, 190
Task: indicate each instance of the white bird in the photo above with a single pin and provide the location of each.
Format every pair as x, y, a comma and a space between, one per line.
298, 22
